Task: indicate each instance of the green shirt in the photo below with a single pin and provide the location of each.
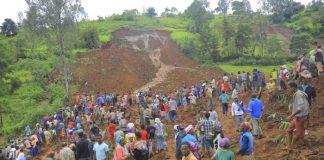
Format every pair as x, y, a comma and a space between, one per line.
223, 154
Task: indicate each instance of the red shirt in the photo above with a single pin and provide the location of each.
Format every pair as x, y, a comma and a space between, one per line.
111, 128
166, 108
144, 134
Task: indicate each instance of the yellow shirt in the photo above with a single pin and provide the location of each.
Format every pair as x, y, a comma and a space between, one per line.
271, 85
189, 157
274, 75
209, 93
127, 138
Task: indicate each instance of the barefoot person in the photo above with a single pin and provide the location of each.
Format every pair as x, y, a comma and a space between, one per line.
298, 118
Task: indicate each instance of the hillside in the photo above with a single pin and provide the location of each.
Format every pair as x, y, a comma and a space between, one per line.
166, 67
137, 52
131, 60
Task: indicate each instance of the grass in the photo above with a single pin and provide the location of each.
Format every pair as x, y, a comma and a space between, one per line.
234, 69
108, 26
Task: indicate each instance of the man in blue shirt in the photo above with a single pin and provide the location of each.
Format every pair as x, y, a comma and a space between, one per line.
246, 142
255, 109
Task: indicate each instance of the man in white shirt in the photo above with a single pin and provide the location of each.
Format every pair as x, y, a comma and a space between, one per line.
237, 113
225, 78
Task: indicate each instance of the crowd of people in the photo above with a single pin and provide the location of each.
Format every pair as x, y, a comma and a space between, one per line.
96, 127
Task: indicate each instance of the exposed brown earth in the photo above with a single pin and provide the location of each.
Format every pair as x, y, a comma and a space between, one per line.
140, 59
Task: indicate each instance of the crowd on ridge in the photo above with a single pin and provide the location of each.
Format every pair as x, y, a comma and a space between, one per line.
95, 127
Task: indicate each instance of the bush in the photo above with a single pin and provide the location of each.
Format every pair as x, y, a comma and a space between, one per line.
56, 93
90, 38
299, 43
30, 91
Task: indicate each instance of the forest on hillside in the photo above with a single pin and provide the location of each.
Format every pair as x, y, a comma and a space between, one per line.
36, 51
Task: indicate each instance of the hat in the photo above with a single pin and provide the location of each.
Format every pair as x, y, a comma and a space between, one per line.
306, 74
224, 142
130, 125
246, 125
175, 127
118, 138
157, 120
188, 128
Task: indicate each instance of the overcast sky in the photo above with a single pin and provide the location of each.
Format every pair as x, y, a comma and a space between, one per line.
95, 8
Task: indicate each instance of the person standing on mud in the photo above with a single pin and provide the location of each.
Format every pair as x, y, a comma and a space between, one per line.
283, 77
255, 109
298, 118
173, 109
208, 127
310, 91
237, 112
224, 100
82, 148
246, 142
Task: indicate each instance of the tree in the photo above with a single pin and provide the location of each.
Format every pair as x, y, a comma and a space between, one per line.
197, 11
243, 38
209, 42
150, 12
169, 12
241, 8
299, 43
281, 10
9, 28
223, 6
32, 27
59, 17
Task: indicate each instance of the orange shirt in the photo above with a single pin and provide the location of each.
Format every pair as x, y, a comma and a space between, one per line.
71, 124
226, 86
144, 134
219, 83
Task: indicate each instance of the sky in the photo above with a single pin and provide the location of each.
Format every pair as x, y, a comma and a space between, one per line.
95, 8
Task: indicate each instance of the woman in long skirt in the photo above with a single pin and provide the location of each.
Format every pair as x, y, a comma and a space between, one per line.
159, 135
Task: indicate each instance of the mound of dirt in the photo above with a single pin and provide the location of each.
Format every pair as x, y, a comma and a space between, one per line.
114, 69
